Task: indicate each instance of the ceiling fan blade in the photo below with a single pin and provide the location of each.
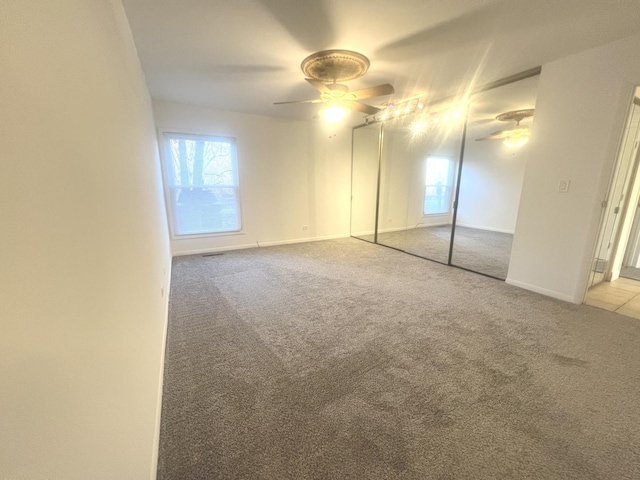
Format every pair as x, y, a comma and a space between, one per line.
364, 108
317, 100
480, 121
500, 134
377, 91
318, 85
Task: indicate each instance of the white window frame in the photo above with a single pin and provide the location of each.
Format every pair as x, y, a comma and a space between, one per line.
449, 186
164, 137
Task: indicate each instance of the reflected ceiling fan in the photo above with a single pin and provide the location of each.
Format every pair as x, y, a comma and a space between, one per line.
325, 69
513, 136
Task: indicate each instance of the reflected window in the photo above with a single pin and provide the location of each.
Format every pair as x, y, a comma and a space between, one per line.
201, 182
438, 186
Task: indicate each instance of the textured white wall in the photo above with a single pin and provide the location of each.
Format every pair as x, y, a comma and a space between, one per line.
84, 247
292, 174
490, 186
580, 111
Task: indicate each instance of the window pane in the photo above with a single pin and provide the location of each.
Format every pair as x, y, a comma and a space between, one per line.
437, 189
203, 181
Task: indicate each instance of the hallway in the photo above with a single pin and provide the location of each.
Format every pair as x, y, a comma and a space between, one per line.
620, 296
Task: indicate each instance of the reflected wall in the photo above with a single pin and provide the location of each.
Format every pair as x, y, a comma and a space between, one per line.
491, 177
365, 163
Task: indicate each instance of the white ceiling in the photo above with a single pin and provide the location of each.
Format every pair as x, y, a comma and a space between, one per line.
243, 55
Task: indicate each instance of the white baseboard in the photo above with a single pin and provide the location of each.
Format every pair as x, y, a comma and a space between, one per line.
427, 225
543, 291
303, 240
197, 251
258, 244
482, 227
393, 229
361, 234
165, 328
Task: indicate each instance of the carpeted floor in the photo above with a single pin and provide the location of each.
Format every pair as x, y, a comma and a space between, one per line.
479, 250
347, 360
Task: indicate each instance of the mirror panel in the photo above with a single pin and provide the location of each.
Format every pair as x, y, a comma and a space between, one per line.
491, 178
419, 163
364, 180
394, 177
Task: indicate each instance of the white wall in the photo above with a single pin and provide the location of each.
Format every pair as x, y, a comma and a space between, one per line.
83, 250
490, 186
292, 174
395, 172
580, 111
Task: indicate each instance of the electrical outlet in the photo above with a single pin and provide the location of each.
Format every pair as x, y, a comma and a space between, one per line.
563, 186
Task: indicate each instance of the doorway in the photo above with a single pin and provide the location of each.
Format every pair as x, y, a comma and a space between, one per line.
614, 280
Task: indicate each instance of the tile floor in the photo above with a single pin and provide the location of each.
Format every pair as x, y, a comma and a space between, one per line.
621, 296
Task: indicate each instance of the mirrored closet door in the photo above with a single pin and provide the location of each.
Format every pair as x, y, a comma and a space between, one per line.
420, 157
365, 165
495, 150
444, 182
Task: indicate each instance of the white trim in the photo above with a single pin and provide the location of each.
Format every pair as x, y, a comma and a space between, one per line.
543, 291
412, 227
482, 227
198, 251
303, 240
258, 244
163, 135
156, 434
394, 229
362, 234
446, 221
189, 236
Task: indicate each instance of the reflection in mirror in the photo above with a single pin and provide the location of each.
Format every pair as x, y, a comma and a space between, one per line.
491, 178
418, 167
364, 180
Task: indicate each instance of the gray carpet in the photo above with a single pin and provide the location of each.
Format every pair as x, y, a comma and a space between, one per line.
479, 250
347, 360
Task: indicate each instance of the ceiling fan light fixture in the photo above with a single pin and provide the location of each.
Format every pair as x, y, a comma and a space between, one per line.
517, 139
334, 112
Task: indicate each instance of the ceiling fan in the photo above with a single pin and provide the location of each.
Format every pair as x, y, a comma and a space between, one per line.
325, 69
513, 136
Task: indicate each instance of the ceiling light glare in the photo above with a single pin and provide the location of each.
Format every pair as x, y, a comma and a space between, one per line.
456, 114
420, 105
418, 127
515, 142
334, 113
445, 118
517, 139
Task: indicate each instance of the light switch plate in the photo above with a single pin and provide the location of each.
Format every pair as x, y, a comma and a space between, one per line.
563, 186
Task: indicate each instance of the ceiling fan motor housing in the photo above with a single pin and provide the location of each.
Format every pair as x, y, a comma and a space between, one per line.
332, 66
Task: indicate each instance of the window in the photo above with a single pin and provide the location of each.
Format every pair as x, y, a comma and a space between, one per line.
438, 186
201, 182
